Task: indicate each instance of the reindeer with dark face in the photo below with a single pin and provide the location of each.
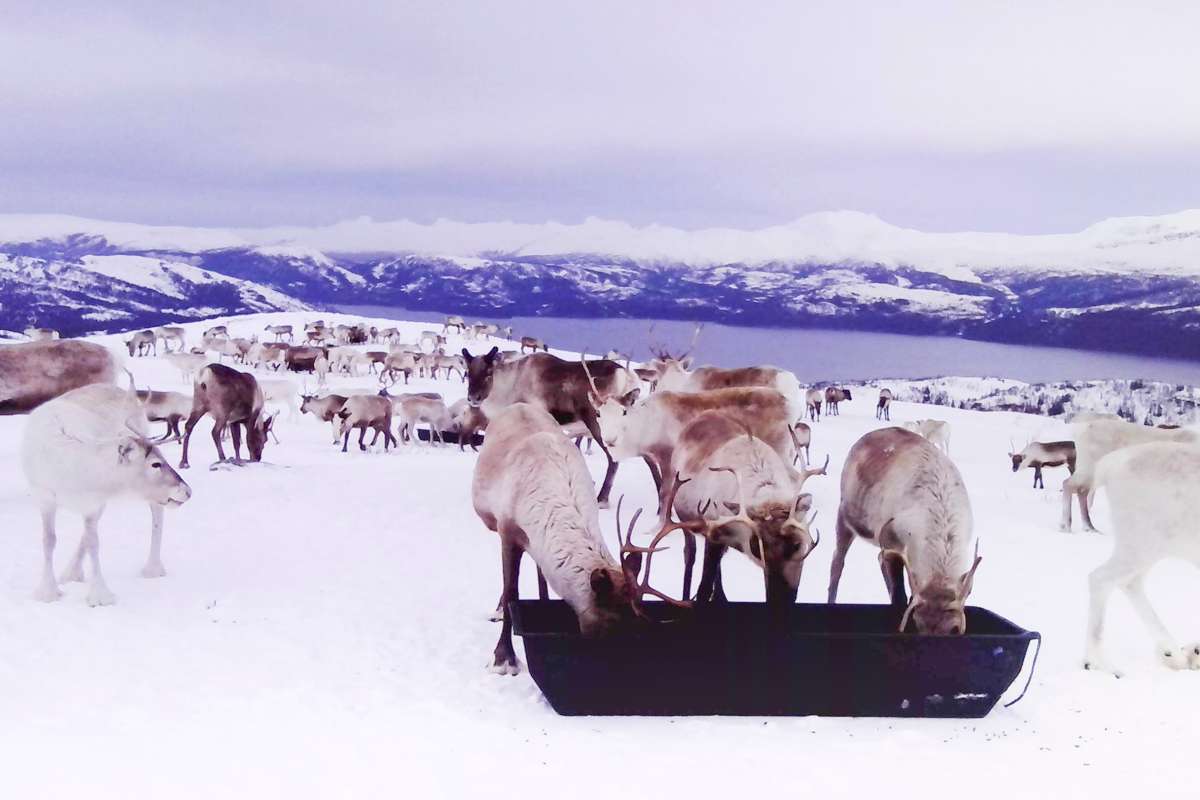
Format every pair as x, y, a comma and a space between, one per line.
33, 372
168, 407
833, 396
745, 496
234, 399
883, 409
906, 497
1044, 454
563, 388
532, 487
142, 342
812, 401
325, 409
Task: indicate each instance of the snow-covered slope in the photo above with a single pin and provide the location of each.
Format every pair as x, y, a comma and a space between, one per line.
322, 632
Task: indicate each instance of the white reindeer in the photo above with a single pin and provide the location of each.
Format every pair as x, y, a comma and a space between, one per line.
79, 451
1154, 505
935, 430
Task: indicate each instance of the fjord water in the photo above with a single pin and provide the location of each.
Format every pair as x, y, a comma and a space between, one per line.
829, 355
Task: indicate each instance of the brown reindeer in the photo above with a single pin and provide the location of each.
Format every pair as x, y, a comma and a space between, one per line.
324, 408
883, 409
234, 399
533, 344
1044, 454
364, 411
33, 372
833, 396
561, 387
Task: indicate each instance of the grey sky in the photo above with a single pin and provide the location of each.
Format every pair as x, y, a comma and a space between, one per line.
1019, 116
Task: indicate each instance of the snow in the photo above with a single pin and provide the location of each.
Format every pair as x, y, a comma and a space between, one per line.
1167, 244
322, 632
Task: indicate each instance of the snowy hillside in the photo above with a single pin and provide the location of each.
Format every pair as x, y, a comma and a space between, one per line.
1128, 285
323, 631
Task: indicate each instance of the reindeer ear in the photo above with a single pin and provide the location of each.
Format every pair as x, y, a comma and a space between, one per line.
491, 356
467, 354
967, 581
803, 503
685, 362
733, 508
602, 584
631, 397
125, 450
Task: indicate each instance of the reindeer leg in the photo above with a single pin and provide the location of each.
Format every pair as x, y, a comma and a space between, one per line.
710, 573
362, 435
1172, 654
893, 578
845, 537
504, 660
689, 563
1101, 582
218, 433
235, 431
543, 589
609, 473
98, 593
154, 566
48, 591
1068, 493
192, 419
1085, 512
656, 475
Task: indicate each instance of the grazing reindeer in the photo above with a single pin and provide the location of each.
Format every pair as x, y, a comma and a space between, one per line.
883, 409
533, 344
168, 407
465, 422
171, 333
532, 487
188, 364
389, 335
651, 429
434, 339
935, 430
566, 389
449, 363
234, 399
1095, 438
303, 358
280, 331
33, 372
325, 409
746, 497
812, 401
364, 411
1044, 454
216, 332
458, 323
414, 409
1151, 492
397, 363
79, 451
833, 396
141, 343
904, 496
802, 439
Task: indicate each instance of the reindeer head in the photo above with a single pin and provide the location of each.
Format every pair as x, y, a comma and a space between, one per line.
256, 435
938, 604
156, 482
480, 372
305, 401
775, 536
613, 415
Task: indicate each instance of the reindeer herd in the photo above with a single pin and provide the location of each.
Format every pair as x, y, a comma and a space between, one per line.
726, 450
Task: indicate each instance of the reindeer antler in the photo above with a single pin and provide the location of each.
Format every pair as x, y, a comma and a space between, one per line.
591, 380
695, 338
631, 554
805, 474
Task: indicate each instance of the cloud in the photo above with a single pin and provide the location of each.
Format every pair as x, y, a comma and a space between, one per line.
701, 110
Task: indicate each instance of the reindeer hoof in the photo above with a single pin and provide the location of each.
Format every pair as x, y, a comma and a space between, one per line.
101, 596
505, 666
47, 594
153, 571
602, 503
1178, 658
1193, 655
72, 575
1098, 665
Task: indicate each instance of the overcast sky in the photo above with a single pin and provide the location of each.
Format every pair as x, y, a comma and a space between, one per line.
1018, 116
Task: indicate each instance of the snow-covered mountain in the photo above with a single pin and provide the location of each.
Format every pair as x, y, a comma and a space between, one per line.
1130, 284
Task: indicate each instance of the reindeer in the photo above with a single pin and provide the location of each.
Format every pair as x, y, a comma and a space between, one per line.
533, 344
465, 422
325, 409
1096, 437
434, 339
364, 411
142, 342
450, 364
650, 429
935, 430
414, 409
234, 399
188, 364
812, 401
458, 323
533, 489
802, 440
42, 334
80, 450
280, 331
342, 333
216, 332
303, 358
567, 390
746, 497
883, 409
484, 330
397, 363
33, 372
281, 393
904, 496
1154, 508
224, 347
168, 407
171, 333
833, 396
389, 335
1044, 454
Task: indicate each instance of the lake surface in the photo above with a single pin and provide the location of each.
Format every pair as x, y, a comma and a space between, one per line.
820, 355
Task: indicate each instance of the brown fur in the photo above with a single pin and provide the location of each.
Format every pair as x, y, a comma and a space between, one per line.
33, 372
709, 378
233, 398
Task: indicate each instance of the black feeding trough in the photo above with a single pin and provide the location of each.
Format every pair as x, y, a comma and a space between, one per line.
451, 437
745, 659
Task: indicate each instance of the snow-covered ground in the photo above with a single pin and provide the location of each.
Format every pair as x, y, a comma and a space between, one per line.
323, 630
